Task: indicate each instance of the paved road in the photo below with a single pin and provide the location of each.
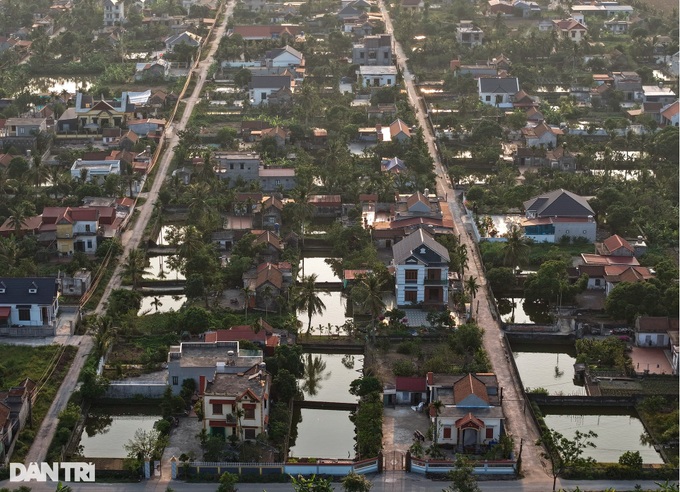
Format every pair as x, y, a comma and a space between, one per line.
517, 422
131, 240
387, 482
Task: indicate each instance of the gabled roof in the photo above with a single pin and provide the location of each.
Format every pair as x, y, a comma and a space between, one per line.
413, 384
416, 198
467, 386
655, 324
498, 85
272, 201
559, 203
268, 237
280, 51
469, 421
399, 126
569, 25
623, 273
612, 243
268, 273
407, 246
17, 290
670, 110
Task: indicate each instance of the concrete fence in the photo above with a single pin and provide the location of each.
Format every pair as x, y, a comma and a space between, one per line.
131, 389
501, 467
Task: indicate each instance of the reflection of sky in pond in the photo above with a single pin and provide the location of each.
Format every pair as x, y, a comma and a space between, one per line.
167, 303
339, 370
523, 313
333, 314
320, 268
324, 434
110, 443
552, 371
162, 263
616, 434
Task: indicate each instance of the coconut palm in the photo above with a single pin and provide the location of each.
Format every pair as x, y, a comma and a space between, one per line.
472, 287
436, 408
17, 217
516, 248
156, 303
368, 294
306, 299
247, 293
135, 266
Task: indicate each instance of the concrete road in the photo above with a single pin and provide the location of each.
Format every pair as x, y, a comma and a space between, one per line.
131, 240
387, 482
518, 423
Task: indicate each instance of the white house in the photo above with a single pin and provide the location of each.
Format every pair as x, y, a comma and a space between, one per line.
263, 86
654, 331
95, 170
471, 417
238, 403
467, 34
422, 269
377, 76
497, 91
114, 12
669, 114
570, 29
283, 57
28, 301
186, 37
540, 135
558, 213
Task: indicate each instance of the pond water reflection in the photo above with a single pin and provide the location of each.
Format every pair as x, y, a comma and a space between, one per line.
161, 304
328, 376
324, 434
105, 435
516, 310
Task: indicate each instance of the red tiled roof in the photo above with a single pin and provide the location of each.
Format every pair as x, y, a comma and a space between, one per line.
469, 420
593, 259
469, 385
612, 243
410, 384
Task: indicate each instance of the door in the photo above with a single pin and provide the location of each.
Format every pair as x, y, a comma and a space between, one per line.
393, 461
447, 432
469, 437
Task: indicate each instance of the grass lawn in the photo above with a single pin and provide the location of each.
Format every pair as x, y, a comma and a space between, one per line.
45, 365
537, 254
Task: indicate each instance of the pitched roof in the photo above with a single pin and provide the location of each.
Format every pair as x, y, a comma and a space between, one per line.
268, 237
399, 126
569, 25
415, 384
407, 246
272, 201
280, 51
469, 385
625, 273
592, 259
267, 272
469, 419
417, 197
612, 243
501, 85
670, 110
656, 324
559, 203
16, 290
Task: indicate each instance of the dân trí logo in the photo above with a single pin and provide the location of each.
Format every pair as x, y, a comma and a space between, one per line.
49, 472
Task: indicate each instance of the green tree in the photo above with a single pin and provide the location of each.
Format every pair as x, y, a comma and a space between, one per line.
501, 279
311, 484
353, 482
515, 249
472, 287
462, 477
564, 453
94, 386
631, 459
135, 266
228, 482
145, 446
307, 299
628, 300
368, 294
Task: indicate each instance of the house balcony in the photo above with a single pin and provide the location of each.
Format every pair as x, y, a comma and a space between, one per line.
435, 281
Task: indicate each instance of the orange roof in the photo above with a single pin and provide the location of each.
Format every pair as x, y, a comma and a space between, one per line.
612, 243
399, 126
469, 421
624, 273
267, 272
469, 385
593, 259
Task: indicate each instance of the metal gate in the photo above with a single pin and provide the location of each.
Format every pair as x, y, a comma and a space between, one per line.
394, 461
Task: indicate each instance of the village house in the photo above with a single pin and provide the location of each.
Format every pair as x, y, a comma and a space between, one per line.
271, 243
541, 135
655, 331
262, 87
630, 84
114, 12
24, 127
658, 94
474, 71
421, 271
284, 57
552, 215
412, 5
92, 114
260, 33
394, 165
260, 333
154, 70
617, 26
276, 179
328, 206
96, 171
373, 50
472, 417
188, 38
669, 114
237, 166
497, 91
28, 302
467, 34
271, 213
377, 76
237, 404
200, 360
570, 29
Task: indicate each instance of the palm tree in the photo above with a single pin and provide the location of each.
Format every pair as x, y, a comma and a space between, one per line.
314, 374
435, 406
302, 209
246, 295
267, 296
368, 294
135, 266
472, 287
516, 248
307, 299
156, 303
17, 218
462, 257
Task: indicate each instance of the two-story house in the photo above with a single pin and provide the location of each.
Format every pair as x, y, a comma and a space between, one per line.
237, 166
541, 135
421, 269
276, 179
114, 12
467, 34
559, 213
237, 404
471, 417
92, 114
570, 29
28, 301
24, 127
200, 360
373, 50
377, 76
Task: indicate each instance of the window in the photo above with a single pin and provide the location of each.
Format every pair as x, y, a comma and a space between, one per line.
488, 99
597, 282
231, 166
277, 182
242, 166
175, 380
249, 433
447, 432
89, 245
249, 413
24, 313
411, 296
411, 276
434, 294
361, 55
217, 408
573, 34
489, 432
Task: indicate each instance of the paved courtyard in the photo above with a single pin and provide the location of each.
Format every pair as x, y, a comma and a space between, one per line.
399, 424
654, 360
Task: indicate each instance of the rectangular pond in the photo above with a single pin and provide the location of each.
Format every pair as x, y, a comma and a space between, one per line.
161, 304
105, 435
334, 314
617, 432
160, 268
324, 434
328, 376
547, 366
